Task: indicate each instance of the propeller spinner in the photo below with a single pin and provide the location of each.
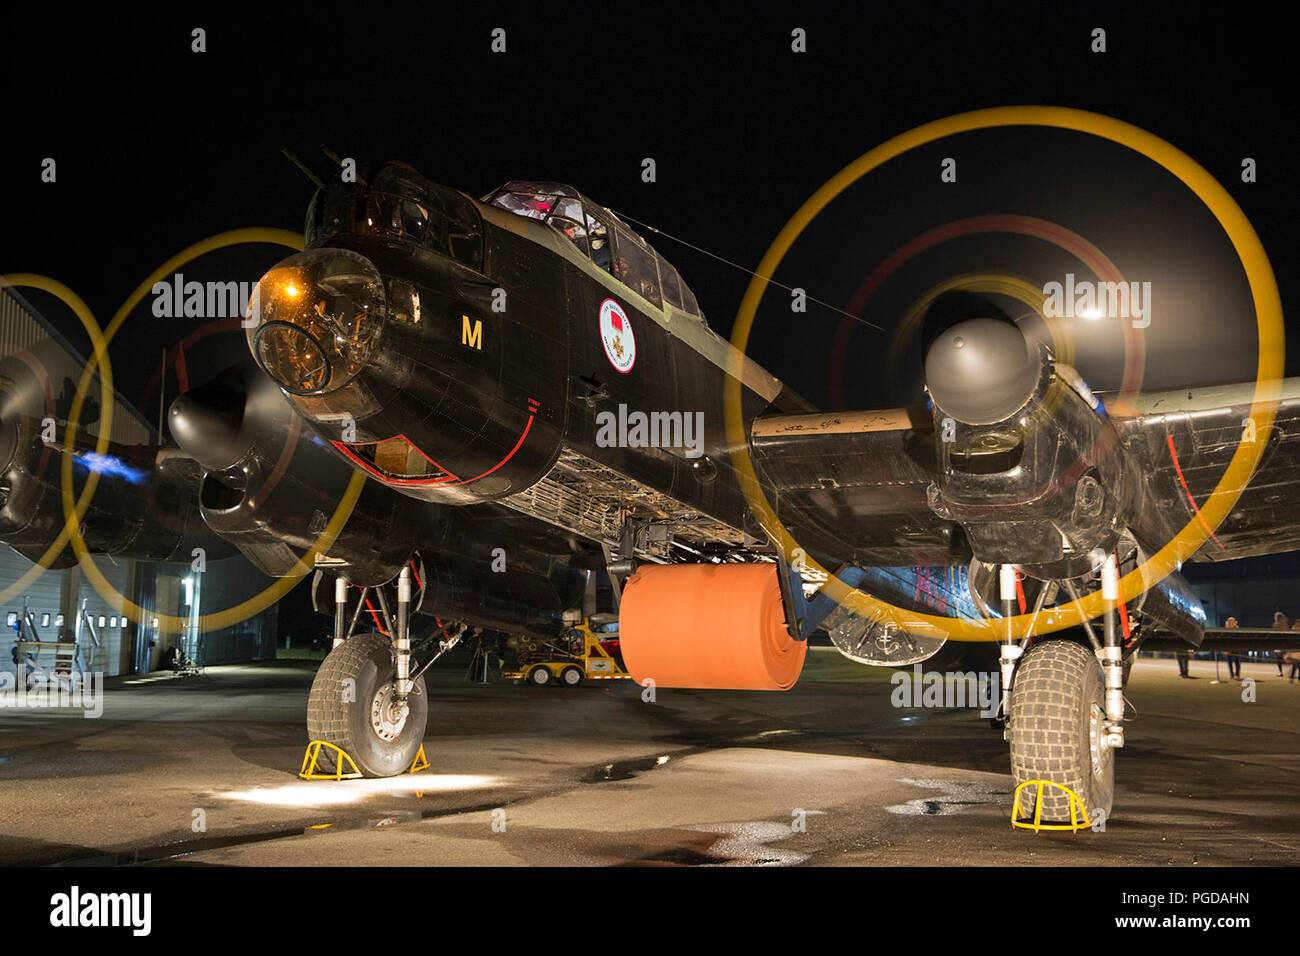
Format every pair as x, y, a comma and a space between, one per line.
982, 371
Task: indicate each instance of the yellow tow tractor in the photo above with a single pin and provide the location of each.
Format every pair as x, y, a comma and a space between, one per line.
588, 650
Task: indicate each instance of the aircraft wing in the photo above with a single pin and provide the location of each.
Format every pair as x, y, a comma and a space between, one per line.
858, 480
1227, 640
1183, 440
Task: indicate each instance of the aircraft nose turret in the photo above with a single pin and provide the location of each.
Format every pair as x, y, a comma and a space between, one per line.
314, 320
981, 371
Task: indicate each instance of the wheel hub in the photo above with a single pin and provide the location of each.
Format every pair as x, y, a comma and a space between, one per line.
1097, 737
388, 713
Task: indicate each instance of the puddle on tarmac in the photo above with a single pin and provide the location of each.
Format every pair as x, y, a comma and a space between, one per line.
626, 769
747, 843
952, 799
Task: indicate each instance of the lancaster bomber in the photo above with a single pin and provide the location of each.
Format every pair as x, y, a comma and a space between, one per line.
468, 358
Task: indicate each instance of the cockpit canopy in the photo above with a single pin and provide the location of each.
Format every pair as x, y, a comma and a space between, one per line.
601, 236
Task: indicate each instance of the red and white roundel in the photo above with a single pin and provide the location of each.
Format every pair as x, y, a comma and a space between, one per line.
616, 336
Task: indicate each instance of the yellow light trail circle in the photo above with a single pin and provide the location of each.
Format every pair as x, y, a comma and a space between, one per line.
91, 325
1268, 316
217, 620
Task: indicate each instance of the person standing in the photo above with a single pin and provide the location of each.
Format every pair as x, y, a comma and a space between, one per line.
1294, 658
478, 662
1280, 623
24, 667
1234, 662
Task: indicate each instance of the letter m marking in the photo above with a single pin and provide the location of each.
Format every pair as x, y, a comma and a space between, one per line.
471, 336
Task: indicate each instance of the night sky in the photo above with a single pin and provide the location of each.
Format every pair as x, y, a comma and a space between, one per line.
158, 147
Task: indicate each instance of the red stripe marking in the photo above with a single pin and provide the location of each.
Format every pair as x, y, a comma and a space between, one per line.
447, 479
375, 614
1178, 468
182, 370
346, 447
1020, 593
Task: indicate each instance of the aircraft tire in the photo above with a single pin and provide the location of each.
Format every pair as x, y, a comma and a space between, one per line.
356, 718
1057, 712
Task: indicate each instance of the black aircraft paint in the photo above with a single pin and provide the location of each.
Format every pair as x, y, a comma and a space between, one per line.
489, 364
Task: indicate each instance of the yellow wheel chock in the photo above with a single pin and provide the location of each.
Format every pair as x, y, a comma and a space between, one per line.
311, 763
1076, 807
421, 762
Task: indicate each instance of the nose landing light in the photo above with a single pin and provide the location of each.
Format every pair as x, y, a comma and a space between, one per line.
314, 319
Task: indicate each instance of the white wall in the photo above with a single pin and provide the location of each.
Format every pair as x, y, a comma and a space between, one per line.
45, 596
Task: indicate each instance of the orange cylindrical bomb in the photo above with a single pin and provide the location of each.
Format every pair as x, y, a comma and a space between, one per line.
708, 626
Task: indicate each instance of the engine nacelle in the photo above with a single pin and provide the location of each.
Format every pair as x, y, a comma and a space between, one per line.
271, 485
1043, 485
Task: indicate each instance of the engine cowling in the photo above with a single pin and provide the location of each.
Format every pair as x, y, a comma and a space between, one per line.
271, 486
1026, 463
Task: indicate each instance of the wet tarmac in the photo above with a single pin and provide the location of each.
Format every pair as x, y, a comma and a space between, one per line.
203, 771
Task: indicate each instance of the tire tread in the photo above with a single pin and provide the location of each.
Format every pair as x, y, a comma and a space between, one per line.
1048, 726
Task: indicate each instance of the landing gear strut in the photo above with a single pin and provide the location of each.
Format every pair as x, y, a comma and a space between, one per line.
1064, 705
364, 698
